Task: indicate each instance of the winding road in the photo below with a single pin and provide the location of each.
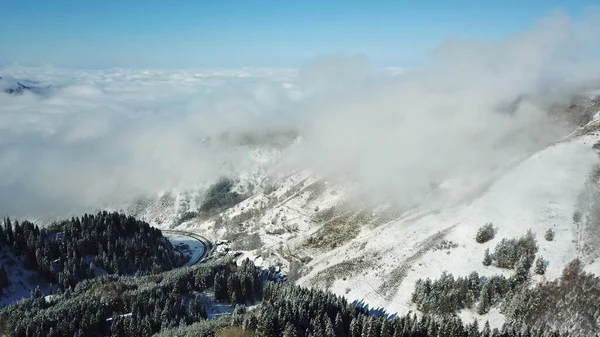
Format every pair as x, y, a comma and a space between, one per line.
194, 240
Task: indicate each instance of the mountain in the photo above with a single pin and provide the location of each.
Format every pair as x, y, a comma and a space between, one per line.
513, 244
14, 87
324, 234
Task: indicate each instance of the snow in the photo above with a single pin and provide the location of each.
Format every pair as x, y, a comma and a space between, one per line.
254, 257
495, 318
536, 192
22, 280
195, 248
130, 314
540, 192
51, 298
213, 308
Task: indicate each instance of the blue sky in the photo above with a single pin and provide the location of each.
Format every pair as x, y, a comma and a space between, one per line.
182, 34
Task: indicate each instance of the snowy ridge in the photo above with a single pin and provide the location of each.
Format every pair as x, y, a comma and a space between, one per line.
314, 229
380, 265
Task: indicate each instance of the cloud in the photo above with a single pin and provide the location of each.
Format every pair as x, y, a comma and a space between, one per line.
446, 121
105, 137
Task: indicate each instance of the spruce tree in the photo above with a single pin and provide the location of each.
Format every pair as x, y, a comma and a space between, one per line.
473, 330
540, 266
484, 300
250, 323
385, 329
329, 330
355, 327
549, 235
485, 233
487, 258
266, 325
486, 330
339, 328
290, 330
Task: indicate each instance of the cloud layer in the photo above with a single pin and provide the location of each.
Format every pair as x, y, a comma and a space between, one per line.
450, 120
105, 137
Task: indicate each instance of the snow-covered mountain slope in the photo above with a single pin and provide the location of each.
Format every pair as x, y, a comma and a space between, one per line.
541, 192
21, 279
324, 233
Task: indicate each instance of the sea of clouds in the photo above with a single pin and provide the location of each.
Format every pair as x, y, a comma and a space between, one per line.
106, 137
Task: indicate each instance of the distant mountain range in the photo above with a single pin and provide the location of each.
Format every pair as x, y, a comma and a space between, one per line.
15, 87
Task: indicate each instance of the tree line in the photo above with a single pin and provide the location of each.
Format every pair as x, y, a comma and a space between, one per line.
81, 248
133, 305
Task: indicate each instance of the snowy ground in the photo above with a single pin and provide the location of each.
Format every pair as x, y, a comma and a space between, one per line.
23, 281
380, 263
215, 309
188, 245
540, 193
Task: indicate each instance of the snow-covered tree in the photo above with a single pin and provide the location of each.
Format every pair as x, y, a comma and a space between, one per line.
540, 266
549, 235
485, 233
487, 258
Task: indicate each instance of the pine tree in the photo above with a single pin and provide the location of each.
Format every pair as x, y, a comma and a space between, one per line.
266, 325
398, 329
549, 235
368, 330
220, 287
473, 330
485, 233
540, 266
250, 323
484, 299
36, 293
339, 325
486, 330
385, 329
522, 270
487, 258
374, 327
329, 331
355, 327
290, 331
9, 231
2, 236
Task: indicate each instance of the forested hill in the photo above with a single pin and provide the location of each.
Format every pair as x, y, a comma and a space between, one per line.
138, 305
81, 248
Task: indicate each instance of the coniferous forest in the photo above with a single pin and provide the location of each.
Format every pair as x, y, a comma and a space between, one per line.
133, 305
141, 292
81, 248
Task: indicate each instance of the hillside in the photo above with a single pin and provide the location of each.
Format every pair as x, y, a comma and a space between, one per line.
58, 257
324, 233
329, 230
